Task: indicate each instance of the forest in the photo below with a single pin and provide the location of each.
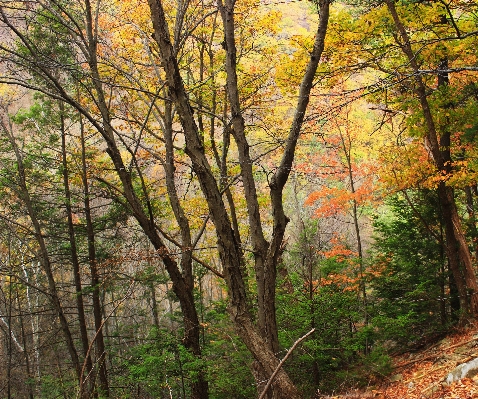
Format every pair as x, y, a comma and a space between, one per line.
226, 199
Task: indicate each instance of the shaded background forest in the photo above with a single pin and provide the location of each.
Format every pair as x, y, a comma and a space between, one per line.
150, 246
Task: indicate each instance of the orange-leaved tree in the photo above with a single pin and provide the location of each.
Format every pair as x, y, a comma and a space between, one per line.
344, 167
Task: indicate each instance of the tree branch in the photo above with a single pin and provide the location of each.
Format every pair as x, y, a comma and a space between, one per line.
289, 352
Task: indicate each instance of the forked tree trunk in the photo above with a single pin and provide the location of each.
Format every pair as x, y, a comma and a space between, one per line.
261, 339
181, 283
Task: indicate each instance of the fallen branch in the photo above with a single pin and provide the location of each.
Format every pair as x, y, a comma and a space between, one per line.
417, 360
289, 352
419, 377
462, 343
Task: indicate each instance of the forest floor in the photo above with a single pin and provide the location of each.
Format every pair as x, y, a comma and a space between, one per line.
423, 374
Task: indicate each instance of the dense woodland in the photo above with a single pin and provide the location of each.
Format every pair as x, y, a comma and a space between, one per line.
192, 191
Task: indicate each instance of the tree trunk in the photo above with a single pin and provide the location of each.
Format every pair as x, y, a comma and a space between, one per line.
347, 149
95, 280
200, 386
42, 254
470, 207
261, 340
73, 249
181, 286
451, 246
25, 348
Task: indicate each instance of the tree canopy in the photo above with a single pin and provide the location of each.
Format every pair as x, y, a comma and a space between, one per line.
295, 166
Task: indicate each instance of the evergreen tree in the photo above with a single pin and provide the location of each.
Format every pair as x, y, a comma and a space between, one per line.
409, 274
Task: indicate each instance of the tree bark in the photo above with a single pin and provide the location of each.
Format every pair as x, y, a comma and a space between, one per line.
260, 339
200, 386
181, 288
470, 207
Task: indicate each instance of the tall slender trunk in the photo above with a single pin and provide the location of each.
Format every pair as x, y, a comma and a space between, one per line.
9, 307
347, 149
73, 248
35, 324
310, 271
470, 207
452, 246
192, 336
154, 305
26, 355
42, 252
95, 279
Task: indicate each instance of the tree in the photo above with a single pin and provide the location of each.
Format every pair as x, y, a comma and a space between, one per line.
320, 292
95, 90
417, 49
17, 183
346, 174
262, 342
408, 273
440, 150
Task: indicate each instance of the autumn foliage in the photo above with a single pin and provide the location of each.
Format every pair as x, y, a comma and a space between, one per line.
187, 188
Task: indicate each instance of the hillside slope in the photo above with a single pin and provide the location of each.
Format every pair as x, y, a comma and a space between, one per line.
423, 374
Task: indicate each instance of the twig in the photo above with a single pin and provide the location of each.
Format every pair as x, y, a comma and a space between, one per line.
289, 352
461, 343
